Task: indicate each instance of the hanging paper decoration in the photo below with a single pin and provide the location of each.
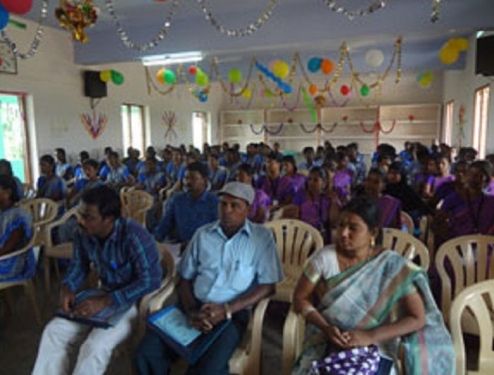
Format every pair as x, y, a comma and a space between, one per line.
75, 16
425, 79
377, 129
94, 124
169, 119
285, 87
318, 127
450, 51
17, 6
265, 129
309, 103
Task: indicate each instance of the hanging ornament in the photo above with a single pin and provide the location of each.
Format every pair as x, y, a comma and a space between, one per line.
374, 58
364, 90
280, 69
450, 51
327, 66
314, 64
344, 90
313, 90
105, 75
192, 70
235, 75
117, 78
75, 17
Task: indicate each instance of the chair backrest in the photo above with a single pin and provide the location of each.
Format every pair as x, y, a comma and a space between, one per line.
295, 241
64, 248
407, 220
461, 262
477, 300
406, 245
136, 203
43, 211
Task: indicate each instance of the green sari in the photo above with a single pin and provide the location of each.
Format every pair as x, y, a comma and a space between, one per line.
364, 296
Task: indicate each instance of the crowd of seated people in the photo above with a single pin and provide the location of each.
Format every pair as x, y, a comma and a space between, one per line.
455, 191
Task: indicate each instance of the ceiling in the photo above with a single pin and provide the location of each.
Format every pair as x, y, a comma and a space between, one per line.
307, 26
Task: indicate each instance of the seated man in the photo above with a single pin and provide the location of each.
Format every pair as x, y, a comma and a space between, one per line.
227, 268
127, 262
187, 211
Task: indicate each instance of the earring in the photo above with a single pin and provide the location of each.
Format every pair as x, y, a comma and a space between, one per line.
373, 242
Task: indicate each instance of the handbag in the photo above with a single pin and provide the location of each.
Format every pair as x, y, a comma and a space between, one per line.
357, 361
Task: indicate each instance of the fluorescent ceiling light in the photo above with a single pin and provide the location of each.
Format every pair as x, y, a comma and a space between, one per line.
172, 58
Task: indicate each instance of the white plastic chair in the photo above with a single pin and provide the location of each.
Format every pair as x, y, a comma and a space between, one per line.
406, 245
476, 301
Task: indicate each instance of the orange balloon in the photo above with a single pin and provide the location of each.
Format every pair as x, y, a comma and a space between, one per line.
327, 66
313, 90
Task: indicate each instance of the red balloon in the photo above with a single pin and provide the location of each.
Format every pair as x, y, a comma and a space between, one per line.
193, 70
345, 90
17, 6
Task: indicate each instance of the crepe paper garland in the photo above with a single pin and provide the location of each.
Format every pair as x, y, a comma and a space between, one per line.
17, 6
309, 103
265, 129
376, 129
76, 17
94, 124
318, 127
285, 87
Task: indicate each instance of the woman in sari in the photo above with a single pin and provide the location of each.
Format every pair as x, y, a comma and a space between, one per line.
389, 207
297, 180
442, 177
15, 232
359, 288
49, 185
259, 209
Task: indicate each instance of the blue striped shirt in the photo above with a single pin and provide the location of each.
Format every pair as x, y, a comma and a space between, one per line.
127, 262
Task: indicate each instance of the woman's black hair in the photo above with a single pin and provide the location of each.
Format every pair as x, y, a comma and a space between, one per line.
48, 159
320, 171
8, 183
91, 162
197, 166
366, 208
340, 156
485, 167
106, 199
244, 167
7, 165
62, 152
377, 172
290, 159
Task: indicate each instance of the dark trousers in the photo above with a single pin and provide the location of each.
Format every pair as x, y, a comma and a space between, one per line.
154, 357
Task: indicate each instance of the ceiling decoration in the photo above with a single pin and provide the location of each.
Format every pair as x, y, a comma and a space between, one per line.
33, 48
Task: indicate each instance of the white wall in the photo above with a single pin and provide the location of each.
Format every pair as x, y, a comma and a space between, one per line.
460, 86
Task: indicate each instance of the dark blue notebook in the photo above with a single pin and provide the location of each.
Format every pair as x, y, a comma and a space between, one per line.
173, 327
105, 318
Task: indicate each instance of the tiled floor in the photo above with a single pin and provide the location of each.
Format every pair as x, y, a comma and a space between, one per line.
20, 335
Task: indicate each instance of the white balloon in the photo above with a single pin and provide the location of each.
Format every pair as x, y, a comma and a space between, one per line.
374, 58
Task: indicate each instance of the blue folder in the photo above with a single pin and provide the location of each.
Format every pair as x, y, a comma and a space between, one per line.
188, 342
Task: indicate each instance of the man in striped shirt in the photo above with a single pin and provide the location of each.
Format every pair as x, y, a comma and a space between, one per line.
126, 259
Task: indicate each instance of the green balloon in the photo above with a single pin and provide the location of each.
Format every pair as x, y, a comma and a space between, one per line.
202, 79
170, 76
364, 90
116, 77
235, 75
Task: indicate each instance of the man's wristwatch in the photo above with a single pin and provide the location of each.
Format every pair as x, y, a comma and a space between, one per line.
228, 311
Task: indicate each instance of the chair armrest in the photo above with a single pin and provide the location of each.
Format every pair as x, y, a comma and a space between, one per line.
159, 298
293, 336
20, 251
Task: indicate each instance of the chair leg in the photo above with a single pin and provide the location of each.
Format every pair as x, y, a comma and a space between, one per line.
29, 287
46, 263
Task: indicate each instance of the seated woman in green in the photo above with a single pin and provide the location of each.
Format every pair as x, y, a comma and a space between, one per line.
357, 286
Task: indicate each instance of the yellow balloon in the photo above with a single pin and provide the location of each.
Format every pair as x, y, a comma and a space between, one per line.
247, 93
281, 69
448, 55
105, 75
462, 44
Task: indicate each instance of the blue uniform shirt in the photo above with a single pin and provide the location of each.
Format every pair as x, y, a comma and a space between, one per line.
223, 268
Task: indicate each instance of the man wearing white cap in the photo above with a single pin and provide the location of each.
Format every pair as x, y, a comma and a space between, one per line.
228, 266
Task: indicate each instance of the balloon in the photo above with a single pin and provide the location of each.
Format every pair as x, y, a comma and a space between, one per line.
235, 75
4, 17
160, 76
169, 76
314, 64
281, 69
374, 58
448, 55
17, 6
203, 97
202, 79
345, 90
287, 89
247, 94
117, 77
313, 90
327, 66
105, 75
425, 79
193, 70
364, 90
459, 44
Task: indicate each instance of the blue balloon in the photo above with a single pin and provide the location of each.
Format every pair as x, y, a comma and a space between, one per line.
287, 89
203, 97
4, 17
314, 64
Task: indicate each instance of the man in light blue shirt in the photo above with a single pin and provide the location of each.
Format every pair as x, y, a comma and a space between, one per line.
228, 267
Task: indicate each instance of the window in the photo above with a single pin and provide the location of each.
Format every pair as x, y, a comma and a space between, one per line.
201, 129
480, 120
13, 134
448, 122
133, 127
